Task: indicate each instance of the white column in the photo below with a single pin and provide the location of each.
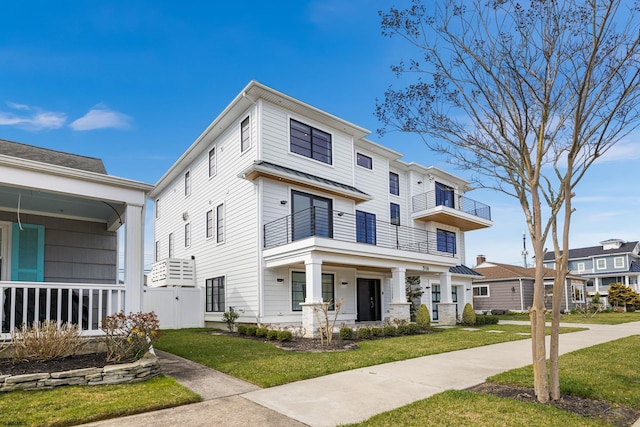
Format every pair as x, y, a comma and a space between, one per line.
445, 287
313, 269
133, 257
398, 280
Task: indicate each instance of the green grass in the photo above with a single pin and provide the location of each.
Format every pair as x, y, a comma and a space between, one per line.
606, 318
65, 406
462, 408
265, 365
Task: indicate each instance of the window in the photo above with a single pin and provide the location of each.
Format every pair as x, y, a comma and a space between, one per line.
580, 267
444, 195
395, 214
446, 241
311, 216
157, 208
310, 142
245, 135
212, 162
299, 289
394, 183
215, 294
220, 223
601, 264
170, 245
364, 161
187, 183
209, 224
481, 291
156, 252
577, 293
187, 235
618, 262
365, 227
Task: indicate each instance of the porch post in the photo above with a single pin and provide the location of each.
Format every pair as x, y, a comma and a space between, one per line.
399, 307
133, 257
313, 299
446, 306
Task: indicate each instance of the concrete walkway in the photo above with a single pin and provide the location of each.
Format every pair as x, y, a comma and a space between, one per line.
355, 395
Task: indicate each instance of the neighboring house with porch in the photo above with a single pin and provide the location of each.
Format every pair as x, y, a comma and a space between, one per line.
59, 241
509, 287
613, 261
279, 206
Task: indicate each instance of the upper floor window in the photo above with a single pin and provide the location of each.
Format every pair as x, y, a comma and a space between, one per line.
187, 235
156, 252
601, 264
365, 227
581, 267
618, 262
444, 195
245, 135
395, 213
394, 183
364, 161
212, 162
310, 142
209, 224
187, 183
446, 241
220, 223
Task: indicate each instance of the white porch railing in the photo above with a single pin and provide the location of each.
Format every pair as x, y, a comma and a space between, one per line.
82, 304
173, 272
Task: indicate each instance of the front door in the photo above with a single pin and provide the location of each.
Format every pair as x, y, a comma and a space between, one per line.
369, 300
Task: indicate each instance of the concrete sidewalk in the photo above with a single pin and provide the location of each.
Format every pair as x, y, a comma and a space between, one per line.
355, 395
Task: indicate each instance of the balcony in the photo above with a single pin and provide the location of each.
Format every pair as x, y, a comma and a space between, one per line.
344, 227
173, 272
448, 208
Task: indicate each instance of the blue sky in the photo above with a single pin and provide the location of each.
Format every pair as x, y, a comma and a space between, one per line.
136, 82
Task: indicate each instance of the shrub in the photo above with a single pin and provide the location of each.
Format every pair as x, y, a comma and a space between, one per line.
262, 332
468, 315
45, 341
242, 329
486, 319
230, 317
284, 336
377, 332
364, 333
413, 329
346, 333
252, 330
129, 337
390, 331
403, 329
272, 334
423, 317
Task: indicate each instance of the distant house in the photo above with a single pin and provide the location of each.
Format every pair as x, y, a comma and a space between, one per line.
510, 288
59, 219
613, 261
279, 206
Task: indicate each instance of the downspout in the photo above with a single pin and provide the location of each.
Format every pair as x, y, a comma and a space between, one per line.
521, 295
260, 213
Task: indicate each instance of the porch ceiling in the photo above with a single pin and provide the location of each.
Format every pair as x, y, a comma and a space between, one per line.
52, 204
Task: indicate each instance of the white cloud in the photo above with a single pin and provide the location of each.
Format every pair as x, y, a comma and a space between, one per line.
31, 118
626, 150
101, 117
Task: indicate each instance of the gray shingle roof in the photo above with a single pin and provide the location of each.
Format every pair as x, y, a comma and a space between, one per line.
52, 157
594, 251
463, 269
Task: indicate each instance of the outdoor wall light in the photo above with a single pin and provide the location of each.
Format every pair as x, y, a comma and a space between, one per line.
283, 202
419, 182
344, 283
279, 279
513, 289
340, 213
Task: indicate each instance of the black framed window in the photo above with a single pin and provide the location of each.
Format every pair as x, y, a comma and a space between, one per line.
394, 183
209, 222
299, 289
245, 135
215, 294
212, 162
444, 195
187, 183
364, 161
446, 241
365, 227
156, 256
311, 215
395, 213
310, 142
220, 222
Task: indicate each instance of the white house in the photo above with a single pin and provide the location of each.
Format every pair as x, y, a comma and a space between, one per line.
279, 206
59, 220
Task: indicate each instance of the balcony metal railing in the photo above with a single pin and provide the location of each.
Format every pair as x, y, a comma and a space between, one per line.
82, 304
432, 199
345, 227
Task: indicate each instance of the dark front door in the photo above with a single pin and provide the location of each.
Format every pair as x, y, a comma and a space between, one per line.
369, 300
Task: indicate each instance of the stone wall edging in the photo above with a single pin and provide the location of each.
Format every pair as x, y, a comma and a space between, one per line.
125, 373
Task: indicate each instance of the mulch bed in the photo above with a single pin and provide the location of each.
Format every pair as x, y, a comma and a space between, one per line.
612, 414
92, 360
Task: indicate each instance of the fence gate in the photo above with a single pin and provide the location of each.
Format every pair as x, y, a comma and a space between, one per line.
176, 307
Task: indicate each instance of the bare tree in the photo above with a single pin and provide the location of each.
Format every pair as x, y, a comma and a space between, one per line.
527, 94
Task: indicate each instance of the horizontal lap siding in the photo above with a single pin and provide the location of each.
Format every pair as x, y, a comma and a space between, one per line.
501, 296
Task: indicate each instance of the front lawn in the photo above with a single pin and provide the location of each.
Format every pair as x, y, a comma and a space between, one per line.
605, 318
66, 406
263, 364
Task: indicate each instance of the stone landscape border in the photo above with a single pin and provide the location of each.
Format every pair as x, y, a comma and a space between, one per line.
125, 373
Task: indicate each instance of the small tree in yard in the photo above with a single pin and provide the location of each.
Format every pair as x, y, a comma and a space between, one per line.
230, 317
468, 315
325, 326
622, 296
528, 94
414, 292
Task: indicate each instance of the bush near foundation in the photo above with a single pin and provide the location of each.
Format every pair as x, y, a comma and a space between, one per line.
468, 315
45, 341
346, 333
423, 317
129, 337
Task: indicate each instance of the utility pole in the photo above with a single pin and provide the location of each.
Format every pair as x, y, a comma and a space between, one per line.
524, 249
